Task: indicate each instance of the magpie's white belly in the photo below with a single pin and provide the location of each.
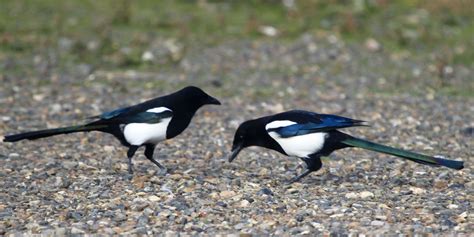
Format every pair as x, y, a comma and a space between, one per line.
300, 146
141, 133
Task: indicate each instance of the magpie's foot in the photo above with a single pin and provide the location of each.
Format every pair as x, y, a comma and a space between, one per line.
299, 177
163, 171
129, 176
130, 171
293, 180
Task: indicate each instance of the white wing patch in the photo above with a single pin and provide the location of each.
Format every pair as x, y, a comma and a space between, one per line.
158, 110
279, 124
299, 146
140, 133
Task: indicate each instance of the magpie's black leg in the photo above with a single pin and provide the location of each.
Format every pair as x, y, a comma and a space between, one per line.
149, 150
312, 164
300, 176
131, 151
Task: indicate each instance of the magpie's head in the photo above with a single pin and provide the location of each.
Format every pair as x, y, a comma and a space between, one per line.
248, 134
198, 96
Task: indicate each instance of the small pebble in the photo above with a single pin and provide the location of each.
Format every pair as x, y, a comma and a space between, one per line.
366, 194
265, 191
377, 223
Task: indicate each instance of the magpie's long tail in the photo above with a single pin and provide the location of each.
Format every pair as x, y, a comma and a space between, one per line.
51, 132
419, 158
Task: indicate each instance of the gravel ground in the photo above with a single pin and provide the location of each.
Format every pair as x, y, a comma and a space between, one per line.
77, 183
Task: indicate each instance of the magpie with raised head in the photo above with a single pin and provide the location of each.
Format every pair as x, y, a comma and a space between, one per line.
144, 124
309, 136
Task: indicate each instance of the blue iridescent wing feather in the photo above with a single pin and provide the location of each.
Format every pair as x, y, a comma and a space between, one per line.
308, 122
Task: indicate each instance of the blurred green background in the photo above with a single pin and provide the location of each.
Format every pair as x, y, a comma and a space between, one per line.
115, 33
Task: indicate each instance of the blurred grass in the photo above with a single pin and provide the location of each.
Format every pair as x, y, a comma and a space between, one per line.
116, 32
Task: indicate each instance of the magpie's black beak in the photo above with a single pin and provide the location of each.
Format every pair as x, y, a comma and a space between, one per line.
213, 101
235, 152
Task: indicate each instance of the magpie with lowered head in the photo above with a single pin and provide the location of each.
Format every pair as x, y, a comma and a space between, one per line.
309, 136
144, 124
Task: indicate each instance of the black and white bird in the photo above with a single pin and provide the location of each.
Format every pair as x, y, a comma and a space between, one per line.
309, 136
144, 124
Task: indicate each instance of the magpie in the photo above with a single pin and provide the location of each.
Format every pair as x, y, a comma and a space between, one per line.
309, 136
144, 124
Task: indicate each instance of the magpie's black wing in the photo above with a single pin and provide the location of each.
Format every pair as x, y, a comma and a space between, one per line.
152, 111
309, 122
134, 110
127, 115
146, 117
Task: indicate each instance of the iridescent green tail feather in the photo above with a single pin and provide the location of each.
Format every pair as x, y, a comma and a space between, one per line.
419, 158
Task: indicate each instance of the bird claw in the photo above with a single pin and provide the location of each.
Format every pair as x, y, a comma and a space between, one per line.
293, 180
299, 177
163, 171
129, 176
